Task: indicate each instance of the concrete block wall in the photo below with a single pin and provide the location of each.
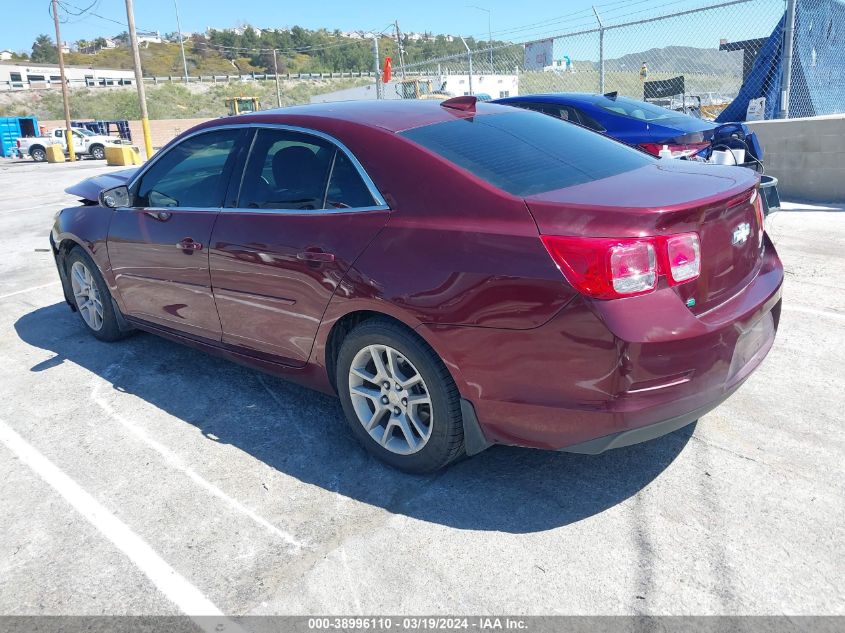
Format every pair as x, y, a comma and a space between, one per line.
807, 156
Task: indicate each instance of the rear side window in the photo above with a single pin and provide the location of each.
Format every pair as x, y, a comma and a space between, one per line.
525, 154
639, 110
291, 170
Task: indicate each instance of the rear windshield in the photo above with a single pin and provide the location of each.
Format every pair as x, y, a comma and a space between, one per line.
639, 110
526, 153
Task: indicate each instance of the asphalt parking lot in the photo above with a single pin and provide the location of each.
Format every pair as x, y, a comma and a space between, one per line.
253, 498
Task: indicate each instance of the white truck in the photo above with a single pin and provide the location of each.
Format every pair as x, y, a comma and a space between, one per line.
85, 143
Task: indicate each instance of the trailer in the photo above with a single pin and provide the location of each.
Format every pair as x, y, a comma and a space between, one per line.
119, 128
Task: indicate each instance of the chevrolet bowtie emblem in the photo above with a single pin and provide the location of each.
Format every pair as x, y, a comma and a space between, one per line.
740, 234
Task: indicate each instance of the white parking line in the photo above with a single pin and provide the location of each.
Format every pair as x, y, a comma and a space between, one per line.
59, 204
174, 586
830, 314
25, 290
175, 461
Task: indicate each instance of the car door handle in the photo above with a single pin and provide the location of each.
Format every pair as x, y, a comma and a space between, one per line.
162, 216
315, 256
189, 244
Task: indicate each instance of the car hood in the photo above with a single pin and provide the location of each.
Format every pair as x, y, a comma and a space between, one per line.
90, 188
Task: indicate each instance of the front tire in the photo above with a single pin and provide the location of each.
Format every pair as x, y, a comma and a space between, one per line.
92, 298
98, 152
399, 399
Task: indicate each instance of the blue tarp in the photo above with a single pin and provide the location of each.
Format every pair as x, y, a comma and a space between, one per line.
818, 66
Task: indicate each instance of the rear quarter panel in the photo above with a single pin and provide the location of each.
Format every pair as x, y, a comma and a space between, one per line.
455, 251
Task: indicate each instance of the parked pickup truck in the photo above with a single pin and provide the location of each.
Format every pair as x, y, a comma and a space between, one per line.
85, 143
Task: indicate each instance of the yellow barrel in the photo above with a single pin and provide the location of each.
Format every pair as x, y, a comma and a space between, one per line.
55, 153
123, 155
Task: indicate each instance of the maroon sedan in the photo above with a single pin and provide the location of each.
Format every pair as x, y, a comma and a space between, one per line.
460, 274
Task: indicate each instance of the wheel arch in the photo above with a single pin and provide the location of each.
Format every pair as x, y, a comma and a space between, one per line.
340, 324
475, 440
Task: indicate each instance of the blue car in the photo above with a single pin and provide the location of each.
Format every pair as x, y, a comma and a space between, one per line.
637, 123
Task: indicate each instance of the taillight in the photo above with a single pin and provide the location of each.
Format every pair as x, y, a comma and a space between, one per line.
684, 257
633, 268
607, 268
761, 217
18, 143
679, 150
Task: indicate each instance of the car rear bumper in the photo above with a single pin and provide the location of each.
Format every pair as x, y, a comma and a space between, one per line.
602, 375
645, 433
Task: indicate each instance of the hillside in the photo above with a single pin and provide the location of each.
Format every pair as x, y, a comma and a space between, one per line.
680, 60
159, 60
299, 50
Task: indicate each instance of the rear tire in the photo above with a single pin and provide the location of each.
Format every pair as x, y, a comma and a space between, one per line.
92, 298
98, 152
405, 409
38, 154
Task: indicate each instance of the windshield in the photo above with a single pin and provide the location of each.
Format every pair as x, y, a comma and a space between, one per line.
526, 153
83, 131
639, 110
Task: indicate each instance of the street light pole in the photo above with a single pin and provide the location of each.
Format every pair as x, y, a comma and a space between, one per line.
65, 92
469, 56
276, 73
489, 31
181, 40
139, 78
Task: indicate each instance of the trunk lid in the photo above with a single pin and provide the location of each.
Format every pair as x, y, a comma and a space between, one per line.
666, 198
90, 188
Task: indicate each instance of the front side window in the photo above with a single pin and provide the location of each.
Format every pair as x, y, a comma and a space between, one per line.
525, 154
190, 174
291, 170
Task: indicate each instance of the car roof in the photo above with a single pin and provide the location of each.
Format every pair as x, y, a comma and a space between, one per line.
555, 97
393, 115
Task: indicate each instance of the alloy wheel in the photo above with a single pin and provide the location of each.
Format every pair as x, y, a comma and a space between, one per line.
87, 296
391, 399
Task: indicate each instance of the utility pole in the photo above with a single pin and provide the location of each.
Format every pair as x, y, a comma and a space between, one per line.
276, 73
788, 44
139, 78
401, 49
181, 41
376, 68
65, 91
601, 51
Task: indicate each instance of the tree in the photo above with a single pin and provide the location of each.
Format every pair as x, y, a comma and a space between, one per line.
44, 51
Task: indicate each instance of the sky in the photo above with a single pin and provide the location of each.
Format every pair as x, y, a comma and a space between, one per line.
510, 20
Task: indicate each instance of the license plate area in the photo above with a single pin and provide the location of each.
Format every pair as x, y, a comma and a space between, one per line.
752, 345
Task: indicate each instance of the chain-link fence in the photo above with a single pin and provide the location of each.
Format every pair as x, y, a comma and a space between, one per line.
696, 59
817, 84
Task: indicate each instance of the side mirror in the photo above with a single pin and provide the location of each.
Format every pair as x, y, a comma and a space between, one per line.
115, 197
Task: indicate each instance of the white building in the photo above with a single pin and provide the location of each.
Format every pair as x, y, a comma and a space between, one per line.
496, 86
149, 37
28, 76
6, 55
